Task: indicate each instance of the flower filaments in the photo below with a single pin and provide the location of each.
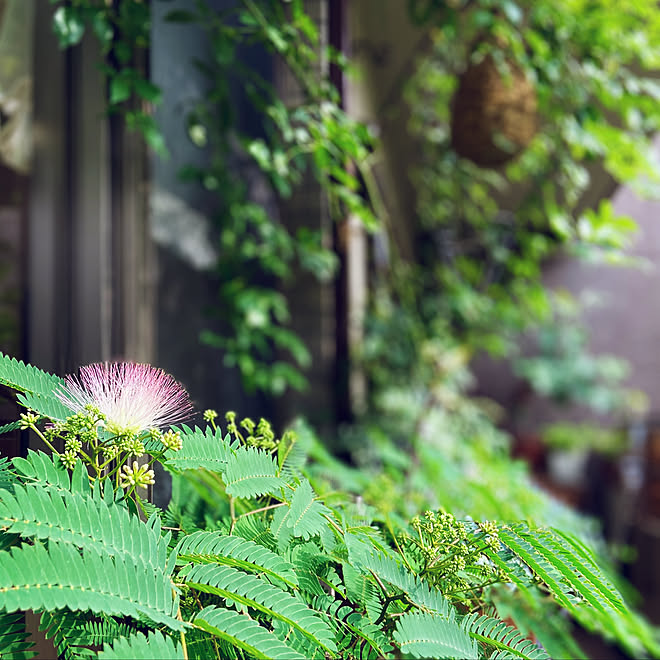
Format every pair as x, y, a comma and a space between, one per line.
132, 397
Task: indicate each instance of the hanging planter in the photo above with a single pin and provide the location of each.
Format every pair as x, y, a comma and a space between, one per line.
494, 113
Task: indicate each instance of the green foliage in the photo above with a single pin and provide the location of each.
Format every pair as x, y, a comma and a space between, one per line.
244, 633
251, 472
505, 638
60, 576
286, 571
155, 646
563, 369
483, 232
312, 138
122, 31
425, 635
14, 641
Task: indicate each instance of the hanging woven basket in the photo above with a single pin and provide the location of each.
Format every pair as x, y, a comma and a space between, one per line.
494, 113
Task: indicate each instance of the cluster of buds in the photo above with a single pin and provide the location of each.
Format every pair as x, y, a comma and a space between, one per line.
441, 529
449, 547
259, 435
136, 476
492, 539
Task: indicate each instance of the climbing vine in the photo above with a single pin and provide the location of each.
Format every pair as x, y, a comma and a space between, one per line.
492, 212
313, 137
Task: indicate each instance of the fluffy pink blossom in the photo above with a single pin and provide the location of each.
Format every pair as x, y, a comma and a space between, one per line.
133, 397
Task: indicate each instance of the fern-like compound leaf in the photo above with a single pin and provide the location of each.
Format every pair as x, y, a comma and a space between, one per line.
26, 378
429, 636
155, 646
535, 556
11, 426
507, 641
571, 577
245, 633
7, 476
583, 563
280, 528
88, 523
205, 449
33, 577
69, 633
306, 517
218, 548
47, 406
251, 472
388, 569
553, 632
354, 629
41, 467
14, 638
35, 388
252, 591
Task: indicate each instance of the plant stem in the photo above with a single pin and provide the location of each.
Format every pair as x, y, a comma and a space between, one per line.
261, 510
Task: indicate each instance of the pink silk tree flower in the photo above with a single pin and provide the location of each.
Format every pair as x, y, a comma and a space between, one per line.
133, 397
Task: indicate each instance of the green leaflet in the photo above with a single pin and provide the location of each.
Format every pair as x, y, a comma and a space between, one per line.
36, 388
7, 476
61, 577
280, 528
388, 569
12, 426
48, 406
350, 625
39, 466
568, 569
72, 632
14, 642
311, 565
532, 553
362, 588
205, 449
245, 633
154, 647
303, 517
429, 636
507, 640
216, 547
562, 569
88, 523
582, 561
26, 378
306, 517
251, 472
251, 591
553, 631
